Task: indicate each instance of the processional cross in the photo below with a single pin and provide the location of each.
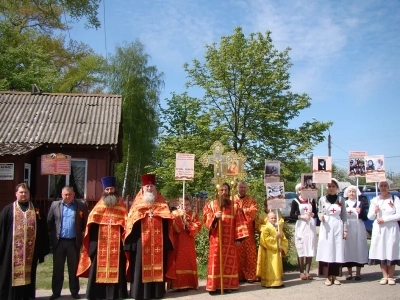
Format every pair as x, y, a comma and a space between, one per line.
217, 159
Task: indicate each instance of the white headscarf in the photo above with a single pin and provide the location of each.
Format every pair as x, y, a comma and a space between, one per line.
351, 187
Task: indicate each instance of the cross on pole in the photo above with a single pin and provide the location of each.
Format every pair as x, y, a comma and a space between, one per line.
217, 159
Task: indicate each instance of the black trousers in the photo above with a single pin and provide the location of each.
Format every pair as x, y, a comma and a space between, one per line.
66, 250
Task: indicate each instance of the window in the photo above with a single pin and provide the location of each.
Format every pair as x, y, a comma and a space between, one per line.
77, 180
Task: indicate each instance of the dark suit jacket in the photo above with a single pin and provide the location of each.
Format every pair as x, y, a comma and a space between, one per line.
54, 219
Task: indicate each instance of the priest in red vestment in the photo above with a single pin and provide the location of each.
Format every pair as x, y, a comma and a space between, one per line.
24, 241
102, 259
149, 242
186, 226
234, 230
247, 249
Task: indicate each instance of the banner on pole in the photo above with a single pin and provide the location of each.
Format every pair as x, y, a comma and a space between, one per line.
272, 171
184, 166
322, 169
357, 163
308, 187
276, 195
374, 168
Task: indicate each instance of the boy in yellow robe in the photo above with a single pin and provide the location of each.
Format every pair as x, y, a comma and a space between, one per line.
273, 246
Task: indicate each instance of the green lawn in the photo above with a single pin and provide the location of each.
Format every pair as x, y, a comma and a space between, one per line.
45, 272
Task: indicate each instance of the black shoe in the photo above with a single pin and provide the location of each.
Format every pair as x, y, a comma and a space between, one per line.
228, 291
213, 293
76, 296
53, 297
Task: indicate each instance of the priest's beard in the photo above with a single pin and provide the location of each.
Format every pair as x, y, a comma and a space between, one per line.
110, 200
226, 202
149, 197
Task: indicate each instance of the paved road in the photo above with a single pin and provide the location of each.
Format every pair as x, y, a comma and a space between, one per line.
294, 289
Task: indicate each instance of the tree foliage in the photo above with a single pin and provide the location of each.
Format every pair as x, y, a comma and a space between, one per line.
185, 128
140, 84
247, 89
48, 15
32, 54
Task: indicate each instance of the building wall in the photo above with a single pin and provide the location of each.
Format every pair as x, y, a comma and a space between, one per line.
98, 165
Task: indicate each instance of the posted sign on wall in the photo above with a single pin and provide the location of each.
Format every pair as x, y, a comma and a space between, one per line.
184, 166
55, 164
6, 171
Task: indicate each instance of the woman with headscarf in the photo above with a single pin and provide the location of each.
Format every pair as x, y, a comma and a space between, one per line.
332, 233
355, 245
385, 211
304, 210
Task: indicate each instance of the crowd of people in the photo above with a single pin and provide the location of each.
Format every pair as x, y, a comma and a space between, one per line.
151, 248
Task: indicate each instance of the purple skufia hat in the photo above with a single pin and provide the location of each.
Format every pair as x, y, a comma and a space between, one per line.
108, 181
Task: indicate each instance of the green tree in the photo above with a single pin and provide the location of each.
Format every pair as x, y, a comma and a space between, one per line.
32, 54
140, 84
48, 15
185, 128
247, 88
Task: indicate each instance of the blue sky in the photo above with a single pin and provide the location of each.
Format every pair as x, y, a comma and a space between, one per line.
345, 56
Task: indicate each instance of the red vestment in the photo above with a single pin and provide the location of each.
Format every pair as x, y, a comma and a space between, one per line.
185, 251
111, 221
233, 228
150, 218
247, 249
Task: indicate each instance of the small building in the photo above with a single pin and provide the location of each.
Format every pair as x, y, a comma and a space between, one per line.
86, 128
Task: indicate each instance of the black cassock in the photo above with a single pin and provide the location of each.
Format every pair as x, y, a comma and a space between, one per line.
42, 248
133, 243
104, 290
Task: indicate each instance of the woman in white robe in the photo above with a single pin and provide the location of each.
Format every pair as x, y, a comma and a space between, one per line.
355, 245
385, 211
304, 210
332, 233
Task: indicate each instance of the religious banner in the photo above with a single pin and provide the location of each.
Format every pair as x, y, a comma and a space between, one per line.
374, 168
272, 171
276, 195
357, 163
322, 169
308, 187
184, 166
55, 164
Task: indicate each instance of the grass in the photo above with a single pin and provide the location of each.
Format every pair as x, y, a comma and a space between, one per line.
45, 272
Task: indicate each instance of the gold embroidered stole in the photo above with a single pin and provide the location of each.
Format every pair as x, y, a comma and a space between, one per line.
23, 245
108, 249
152, 250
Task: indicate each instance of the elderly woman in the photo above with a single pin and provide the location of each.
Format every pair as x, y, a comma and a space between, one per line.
385, 211
303, 210
332, 233
355, 246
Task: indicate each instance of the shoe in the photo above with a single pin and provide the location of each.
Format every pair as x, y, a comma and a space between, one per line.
328, 282
337, 282
349, 277
76, 296
383, 281
213, 293
303, 276
53, 297
391, 281
309, 277
228, 291
250, 281
357, 277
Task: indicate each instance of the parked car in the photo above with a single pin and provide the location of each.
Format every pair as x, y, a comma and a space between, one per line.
368, 197
289, 196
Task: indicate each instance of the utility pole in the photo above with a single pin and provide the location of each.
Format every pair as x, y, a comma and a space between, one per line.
329, 143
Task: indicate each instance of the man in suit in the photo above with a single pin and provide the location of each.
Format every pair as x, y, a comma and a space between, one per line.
67, 220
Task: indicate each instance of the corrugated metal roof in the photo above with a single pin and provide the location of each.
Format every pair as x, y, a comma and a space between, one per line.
82, 119
17, 149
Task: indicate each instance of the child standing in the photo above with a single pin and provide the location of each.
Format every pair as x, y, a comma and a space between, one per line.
273, 246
